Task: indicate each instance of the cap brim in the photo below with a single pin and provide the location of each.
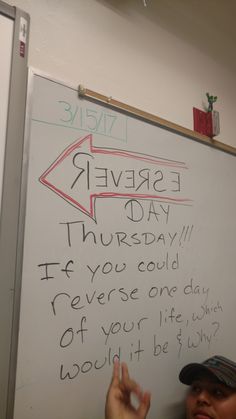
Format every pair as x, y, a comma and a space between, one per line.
189, 373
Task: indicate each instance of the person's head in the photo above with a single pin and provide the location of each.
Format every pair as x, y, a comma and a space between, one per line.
212, 393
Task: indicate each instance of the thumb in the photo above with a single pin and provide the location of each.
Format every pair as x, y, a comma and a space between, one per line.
144, 406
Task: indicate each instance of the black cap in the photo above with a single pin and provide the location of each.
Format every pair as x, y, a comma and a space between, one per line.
223, 369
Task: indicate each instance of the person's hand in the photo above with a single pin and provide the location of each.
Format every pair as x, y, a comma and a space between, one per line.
118, 401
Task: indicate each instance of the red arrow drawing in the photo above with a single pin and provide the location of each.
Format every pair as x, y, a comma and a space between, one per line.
83, 173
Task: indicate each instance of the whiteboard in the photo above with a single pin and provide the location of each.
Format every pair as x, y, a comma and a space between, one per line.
6, 33
129, 251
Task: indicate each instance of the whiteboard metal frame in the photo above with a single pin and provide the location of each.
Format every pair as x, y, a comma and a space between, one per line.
11, 227
146, 116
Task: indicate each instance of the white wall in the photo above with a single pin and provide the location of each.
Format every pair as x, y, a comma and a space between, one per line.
6, 32
158, 58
